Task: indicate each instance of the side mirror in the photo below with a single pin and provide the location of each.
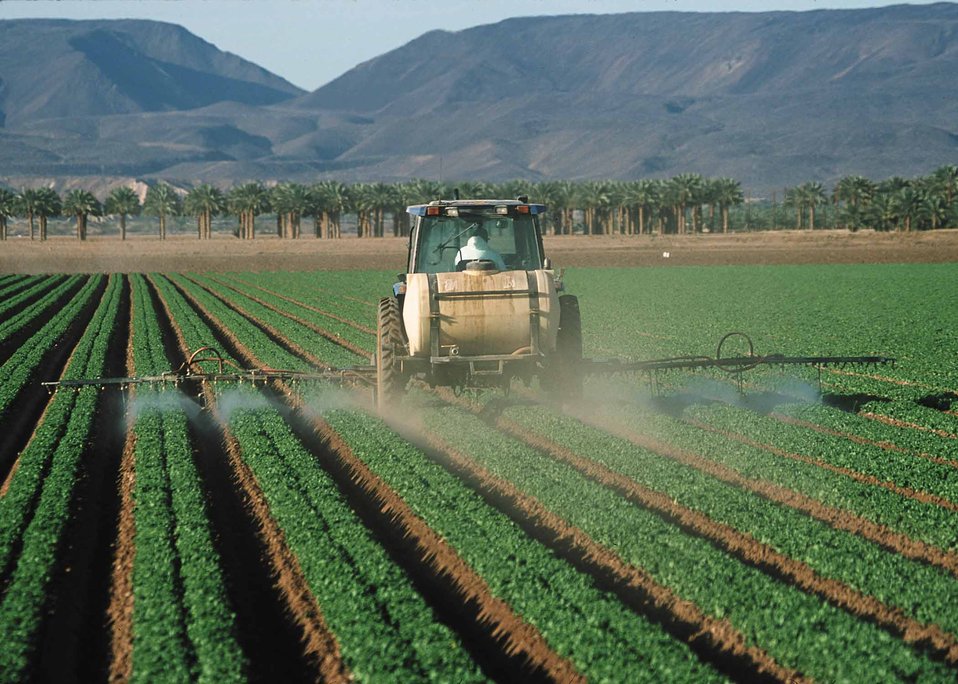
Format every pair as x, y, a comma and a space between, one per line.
547, 264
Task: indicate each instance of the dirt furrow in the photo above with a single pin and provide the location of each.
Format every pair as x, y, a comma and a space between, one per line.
17, 339
32, 401
888, 420
246, 534
358, 326
120, 609
836, 517
75, 637
715, 640
331, 336
888, 446
745, 547
907, 492
458, 594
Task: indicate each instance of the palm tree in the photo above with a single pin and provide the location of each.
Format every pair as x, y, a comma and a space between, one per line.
329, 200
728, 193
686, 190
8, 208
123, 202
161, 201
908, 200
248, 201
811, 195
204, 202
81, 204
855, 192
946, 178
47, 205
28, 203
38, 204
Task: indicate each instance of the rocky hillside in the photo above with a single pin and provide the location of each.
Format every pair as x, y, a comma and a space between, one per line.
770, 98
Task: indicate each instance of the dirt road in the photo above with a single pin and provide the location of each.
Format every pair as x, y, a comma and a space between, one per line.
224, 253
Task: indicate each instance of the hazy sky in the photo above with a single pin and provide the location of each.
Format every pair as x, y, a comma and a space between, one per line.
311, 42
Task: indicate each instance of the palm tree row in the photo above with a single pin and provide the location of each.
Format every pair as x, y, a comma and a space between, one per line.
686, 203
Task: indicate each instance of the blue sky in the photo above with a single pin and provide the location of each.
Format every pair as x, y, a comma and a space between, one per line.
311, 42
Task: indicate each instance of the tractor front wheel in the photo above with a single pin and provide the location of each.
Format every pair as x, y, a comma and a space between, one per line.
390, 382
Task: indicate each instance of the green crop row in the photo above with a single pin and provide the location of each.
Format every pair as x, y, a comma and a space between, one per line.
10, 285
921, 441
604, 640
917, 589
36, 507
289, 302
798, 630
925, 522
309, 339
10, 301
20, 368
385, 629
900, 469
350, 294
15, 323
183, 628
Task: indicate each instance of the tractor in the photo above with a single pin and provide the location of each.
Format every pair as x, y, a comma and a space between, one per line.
479, 305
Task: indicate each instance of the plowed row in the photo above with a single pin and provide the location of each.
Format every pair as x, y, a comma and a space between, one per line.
289, 532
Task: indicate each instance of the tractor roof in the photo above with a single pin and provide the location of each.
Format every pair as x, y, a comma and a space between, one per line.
509, 205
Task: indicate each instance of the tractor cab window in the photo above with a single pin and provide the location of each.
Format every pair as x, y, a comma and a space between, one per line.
511, 237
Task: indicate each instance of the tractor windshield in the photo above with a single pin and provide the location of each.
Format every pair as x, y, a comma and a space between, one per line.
512, 237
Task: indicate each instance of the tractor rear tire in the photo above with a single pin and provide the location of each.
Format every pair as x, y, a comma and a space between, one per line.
390, 381
569, 347
564, 373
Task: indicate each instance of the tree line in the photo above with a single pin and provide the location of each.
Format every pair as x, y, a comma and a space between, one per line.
686, 203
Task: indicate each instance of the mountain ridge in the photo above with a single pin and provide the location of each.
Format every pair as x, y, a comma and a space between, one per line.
770, 98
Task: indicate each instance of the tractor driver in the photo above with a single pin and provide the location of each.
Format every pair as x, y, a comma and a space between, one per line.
477, 248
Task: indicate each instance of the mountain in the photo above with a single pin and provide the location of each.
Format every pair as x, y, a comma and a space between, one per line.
771, 98
59, 68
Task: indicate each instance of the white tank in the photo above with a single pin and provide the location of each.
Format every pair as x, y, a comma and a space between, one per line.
493, 323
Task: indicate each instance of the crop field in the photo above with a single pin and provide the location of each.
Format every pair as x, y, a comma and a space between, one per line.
801, 526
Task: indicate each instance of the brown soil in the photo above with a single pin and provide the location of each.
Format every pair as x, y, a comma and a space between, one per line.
716, 639
744, 546
353, 324
252, 513
75, 638
836, 517
496, 623
332, 337
26, 410
888, 420
888, 446
224, 253
907, 492
120, 610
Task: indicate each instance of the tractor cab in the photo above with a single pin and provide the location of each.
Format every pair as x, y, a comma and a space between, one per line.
501, 235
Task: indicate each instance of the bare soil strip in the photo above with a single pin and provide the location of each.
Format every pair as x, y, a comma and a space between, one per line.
885, 378
261, 572
332, 337
120, 609
836, 517
745, 547
31, 403
907, 492
715, 640
328, 314
888, 420
460, 596
75, 637
888, 446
